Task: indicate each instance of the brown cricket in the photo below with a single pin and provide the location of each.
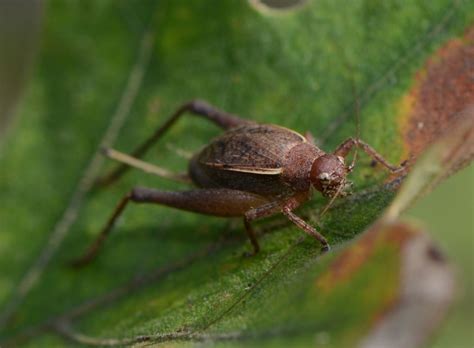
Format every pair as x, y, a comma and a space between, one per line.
252, 171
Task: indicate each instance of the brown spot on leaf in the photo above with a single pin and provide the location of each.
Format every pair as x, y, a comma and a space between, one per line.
411, 310
443, 89
355, 256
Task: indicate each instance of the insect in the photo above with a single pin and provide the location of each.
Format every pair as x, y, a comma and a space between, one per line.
252, 171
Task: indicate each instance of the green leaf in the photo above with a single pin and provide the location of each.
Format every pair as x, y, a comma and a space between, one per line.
172, 275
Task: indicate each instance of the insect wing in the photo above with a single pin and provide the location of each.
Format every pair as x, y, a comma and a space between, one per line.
258, 149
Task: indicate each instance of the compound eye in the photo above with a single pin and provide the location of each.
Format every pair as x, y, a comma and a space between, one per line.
324, 176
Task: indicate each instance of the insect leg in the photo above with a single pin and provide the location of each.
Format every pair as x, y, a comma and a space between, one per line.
94, 248
196, 107
346, 147
305, 227
217, 202
253, 238
256, 213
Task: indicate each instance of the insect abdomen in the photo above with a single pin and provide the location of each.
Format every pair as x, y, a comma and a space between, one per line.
249, 158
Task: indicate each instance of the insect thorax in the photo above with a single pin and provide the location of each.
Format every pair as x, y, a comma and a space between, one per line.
297, 166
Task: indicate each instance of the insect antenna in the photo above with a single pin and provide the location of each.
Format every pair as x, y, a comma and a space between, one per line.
355, 96
330, 203
350, 68
357, 120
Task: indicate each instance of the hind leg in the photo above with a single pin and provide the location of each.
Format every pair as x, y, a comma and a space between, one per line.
195, 107
217, 202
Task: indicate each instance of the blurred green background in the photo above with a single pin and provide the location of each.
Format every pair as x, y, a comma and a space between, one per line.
448, 214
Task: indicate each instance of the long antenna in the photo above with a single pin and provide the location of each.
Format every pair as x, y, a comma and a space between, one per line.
356, 107
357, 119
333, 198
350, 69
355, 96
